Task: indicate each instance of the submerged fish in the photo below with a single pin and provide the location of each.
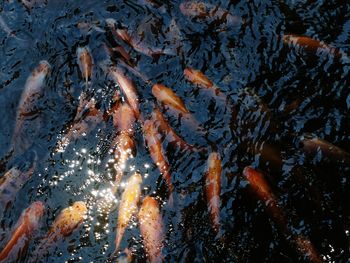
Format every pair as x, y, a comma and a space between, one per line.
212, 188
265, 193
208, 12
151, 228
310, 44
128, 88
28, 222
27, 107
155, 148
168, 97
312, 145
12, 181
85, 62
128, 206
66, 222
262, 189
162, 124
135, 41
85, 121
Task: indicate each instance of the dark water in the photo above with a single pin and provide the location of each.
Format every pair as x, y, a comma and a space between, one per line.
276, 94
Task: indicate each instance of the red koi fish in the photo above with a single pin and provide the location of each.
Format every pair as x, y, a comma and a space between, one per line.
26, 225
85, 62
168, 97
151, 227
212, 188
128, 88
128, 206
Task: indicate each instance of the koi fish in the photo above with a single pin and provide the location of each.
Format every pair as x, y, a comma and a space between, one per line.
264, 192
151, 228
164, 126
66, 222
310, 44
168, 97
201, 10
262, 189
128, 206
156, 150
87, 121
198, 78
128, 88
135, 42
26, 225
85, 62
33, 91
311, 145
212, 188
12, 181
123, 144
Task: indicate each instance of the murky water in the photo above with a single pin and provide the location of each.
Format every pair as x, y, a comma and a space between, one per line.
273, 94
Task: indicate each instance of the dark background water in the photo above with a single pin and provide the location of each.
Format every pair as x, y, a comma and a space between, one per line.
277, 93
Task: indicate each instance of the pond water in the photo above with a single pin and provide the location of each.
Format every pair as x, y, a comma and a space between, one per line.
272, 94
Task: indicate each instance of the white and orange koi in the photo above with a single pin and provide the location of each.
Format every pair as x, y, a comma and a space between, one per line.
85, 62
33, 91
22, 234
213, 188
128, 206
128, 88
152, 231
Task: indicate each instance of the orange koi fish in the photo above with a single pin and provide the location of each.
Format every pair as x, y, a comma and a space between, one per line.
66, 222
127, 87
198, 78
128, 206
85, 62
212, 188
26, 225
310, 44
168, 97
151, 227
154, 145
